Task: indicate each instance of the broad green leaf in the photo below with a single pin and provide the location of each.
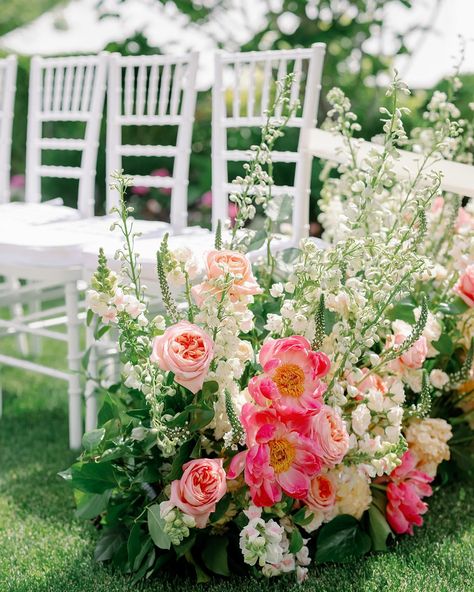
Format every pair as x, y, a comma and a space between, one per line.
101, 331
221, 508
290, 255
89, 317
379, 529
214, 555
109, 410
182, 456
92, 439
444, 345
138, 545
456, 307
303, 517
155, 527
257, 240
109, 543
93, 477
185, 546
90, 505
296, 541
342, 540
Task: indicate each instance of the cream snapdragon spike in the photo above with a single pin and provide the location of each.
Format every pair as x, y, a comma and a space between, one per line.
290, 408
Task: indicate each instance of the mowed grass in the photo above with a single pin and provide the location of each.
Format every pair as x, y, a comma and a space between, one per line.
43, 548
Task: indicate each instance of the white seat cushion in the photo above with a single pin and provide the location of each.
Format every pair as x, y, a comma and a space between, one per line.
37, 214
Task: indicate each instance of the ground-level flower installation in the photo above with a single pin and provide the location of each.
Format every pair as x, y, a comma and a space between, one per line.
298, 410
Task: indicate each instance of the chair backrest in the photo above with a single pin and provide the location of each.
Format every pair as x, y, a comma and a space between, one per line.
153, 91
65, 89
231, 108
456, 177
8, 68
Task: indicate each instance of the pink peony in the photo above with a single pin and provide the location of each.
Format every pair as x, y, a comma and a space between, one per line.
404, 492
186, 350
465, 286
278, 459
219, 264
202, 485
292, 376
330, 434
322, 493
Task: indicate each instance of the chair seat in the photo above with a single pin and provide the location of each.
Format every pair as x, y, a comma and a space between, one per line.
100, 226
37, 214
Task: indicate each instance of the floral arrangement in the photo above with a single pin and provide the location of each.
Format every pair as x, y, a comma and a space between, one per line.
298, 409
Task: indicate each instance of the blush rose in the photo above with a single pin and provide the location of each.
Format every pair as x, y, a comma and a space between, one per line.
187, 351
464, 287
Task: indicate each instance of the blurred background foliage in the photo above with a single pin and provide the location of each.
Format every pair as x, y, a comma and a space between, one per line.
344, 26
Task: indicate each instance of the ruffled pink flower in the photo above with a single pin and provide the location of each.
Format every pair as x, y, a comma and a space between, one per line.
322, 493
371, 382
415, 356
278, 460
330, 434
202, 485
187, 351
404, 493
464, 287
220, 264
292, 376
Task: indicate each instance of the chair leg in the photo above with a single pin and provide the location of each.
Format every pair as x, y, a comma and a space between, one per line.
17, 313
92, 376
74, 364
36, 342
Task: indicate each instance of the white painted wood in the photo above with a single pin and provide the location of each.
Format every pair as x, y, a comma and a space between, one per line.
65, 89
8, 68
456, 177
165, 92
260, 70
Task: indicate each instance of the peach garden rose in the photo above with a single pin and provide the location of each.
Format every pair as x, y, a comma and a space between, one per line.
464, 287
187, 351
202, 485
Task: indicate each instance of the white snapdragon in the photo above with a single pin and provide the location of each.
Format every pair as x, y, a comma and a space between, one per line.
176, 522
277, 290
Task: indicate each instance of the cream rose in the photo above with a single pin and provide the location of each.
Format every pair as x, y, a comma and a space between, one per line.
187, 351
202, 485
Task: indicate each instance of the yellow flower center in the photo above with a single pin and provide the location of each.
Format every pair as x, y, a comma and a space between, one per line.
282, 454
289, 379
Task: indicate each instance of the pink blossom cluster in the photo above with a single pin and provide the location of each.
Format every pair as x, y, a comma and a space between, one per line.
291, 435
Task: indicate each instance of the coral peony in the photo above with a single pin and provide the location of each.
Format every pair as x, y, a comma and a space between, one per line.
404, 492
278, 458
292, 376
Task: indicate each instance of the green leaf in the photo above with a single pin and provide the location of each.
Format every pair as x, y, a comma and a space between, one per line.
138, 545
296, 541
181, 457
456, 307
109, 543
303, 517
85, 358
93, 477
90, 505
290, 255
185, 546
101, 331
90, 440
109, 410
155, 527
279, 208
221, 508
444, 345
89, 317
200, 416
209, 389
257, 240
214, 555
404, 311
379, 529
342, 540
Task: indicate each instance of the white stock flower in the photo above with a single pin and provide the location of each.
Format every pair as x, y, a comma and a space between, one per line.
360, 419
277, 290
438, 378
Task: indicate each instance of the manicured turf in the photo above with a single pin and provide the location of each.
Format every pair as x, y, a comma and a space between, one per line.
44, 549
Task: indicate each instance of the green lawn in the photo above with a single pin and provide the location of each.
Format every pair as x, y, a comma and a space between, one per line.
44, 549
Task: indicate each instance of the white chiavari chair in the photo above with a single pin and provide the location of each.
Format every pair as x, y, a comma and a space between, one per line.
49, 260
241, 96
8, 68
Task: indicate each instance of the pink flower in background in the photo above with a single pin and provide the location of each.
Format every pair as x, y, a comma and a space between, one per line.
187, 351
464, 220
404, 493
415, 356
278, 460
162, 173
202, 485
17, 181
464, 287
219, 264
140, 190
233, 211
292, 376
330, 434
206, 199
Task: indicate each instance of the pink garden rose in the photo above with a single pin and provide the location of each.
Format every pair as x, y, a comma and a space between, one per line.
218, 265
291, 379
202, 485
186, 350
322, 493
330, 434
464, 287
415, 356
278, 459
404, 493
